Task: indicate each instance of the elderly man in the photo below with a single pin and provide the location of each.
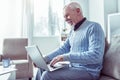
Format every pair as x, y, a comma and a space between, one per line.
84, 48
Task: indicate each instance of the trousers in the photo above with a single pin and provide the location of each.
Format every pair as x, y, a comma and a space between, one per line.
66, 73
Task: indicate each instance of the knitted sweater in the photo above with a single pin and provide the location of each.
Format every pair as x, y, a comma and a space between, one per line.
84, 48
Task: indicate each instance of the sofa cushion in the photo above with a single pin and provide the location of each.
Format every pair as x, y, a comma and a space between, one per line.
111, 65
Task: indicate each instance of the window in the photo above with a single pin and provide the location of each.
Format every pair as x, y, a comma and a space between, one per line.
48, 17
30, 18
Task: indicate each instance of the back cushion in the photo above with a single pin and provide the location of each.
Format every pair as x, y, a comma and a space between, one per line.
14, 48
111, 65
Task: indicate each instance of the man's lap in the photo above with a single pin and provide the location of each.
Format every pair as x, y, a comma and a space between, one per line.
66, 74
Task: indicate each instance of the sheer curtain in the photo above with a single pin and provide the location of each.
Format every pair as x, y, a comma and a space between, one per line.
11, 19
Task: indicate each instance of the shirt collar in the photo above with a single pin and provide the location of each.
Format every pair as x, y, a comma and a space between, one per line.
78, 24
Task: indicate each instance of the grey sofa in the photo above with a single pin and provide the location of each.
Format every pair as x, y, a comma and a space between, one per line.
111, 64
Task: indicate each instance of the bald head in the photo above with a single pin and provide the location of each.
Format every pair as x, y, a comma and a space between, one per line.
73, 13
74, 5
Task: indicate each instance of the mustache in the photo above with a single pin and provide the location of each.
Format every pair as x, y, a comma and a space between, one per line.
68, 20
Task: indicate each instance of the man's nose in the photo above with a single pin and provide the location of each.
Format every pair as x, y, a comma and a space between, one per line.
67, 18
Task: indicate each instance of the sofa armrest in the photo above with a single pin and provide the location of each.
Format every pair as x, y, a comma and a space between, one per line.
19, 61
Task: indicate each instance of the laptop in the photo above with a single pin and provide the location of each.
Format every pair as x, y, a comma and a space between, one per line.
37, 58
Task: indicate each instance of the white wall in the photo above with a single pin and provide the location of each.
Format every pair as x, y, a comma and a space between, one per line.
118, 5
110, 6
96, 11
47, 44
99, 10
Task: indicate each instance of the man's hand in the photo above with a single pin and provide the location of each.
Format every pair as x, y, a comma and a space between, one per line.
56, 59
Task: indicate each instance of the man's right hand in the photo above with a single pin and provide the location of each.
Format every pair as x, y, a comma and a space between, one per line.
56, 59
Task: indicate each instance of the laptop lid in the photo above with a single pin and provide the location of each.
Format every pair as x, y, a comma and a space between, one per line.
36, 56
